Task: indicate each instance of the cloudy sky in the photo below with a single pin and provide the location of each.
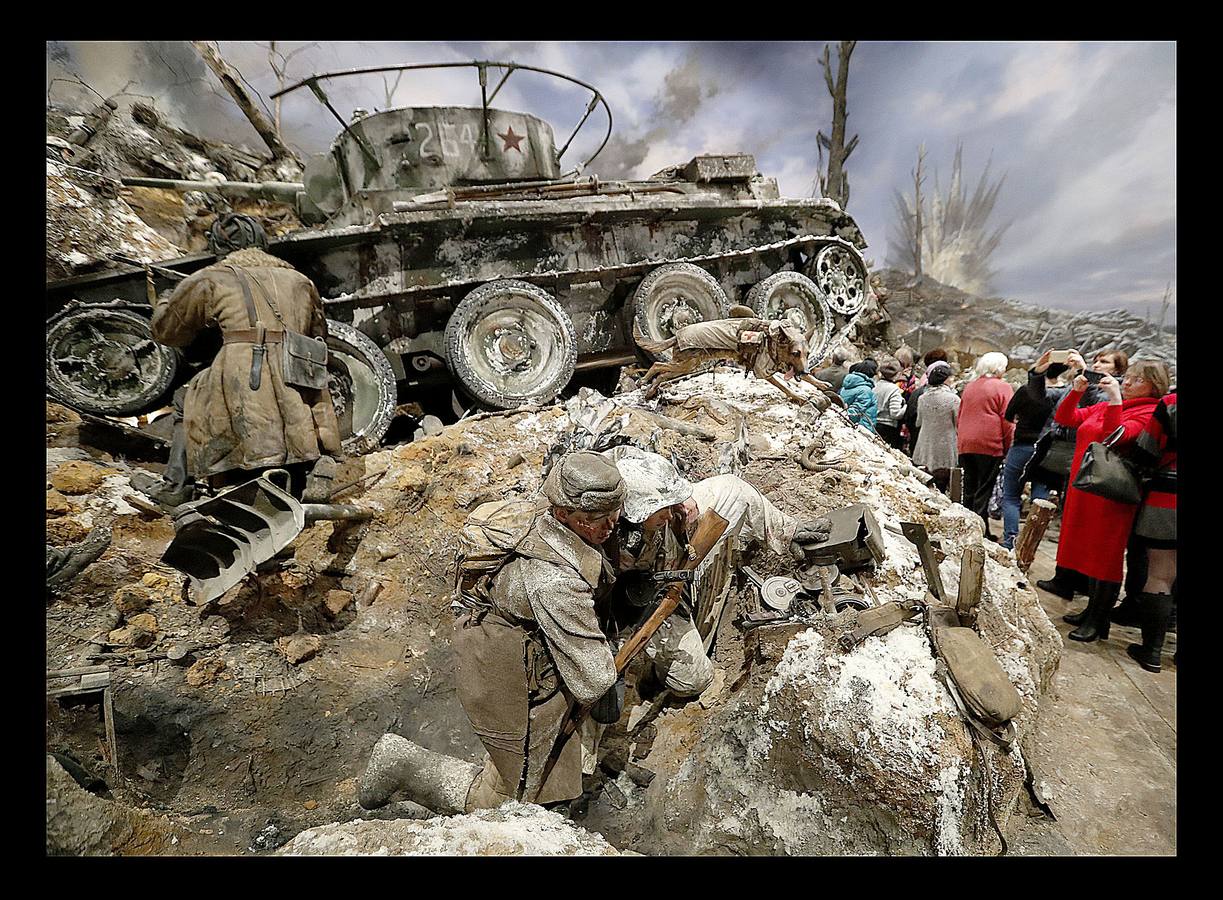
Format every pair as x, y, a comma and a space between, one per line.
1084, 132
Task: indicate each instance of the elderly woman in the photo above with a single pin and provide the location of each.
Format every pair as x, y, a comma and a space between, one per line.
984, 432
889, 402
937, 410
938, 354
1095, 530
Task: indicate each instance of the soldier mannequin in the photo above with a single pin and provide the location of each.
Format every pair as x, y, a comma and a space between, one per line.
523, 657
225, 431
660, 507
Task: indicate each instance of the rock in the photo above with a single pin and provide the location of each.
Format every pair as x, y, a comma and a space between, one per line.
311, 804
79, 477
64, 531
131, 599
205, 671
514, 829
140, 632
61, 415
297, 648
431, 425
336, 602
82, 824
57, 504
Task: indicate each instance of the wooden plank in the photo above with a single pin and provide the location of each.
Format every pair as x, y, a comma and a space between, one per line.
79, 670
956, 489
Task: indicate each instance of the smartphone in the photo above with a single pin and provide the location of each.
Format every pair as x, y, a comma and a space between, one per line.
1093, 377
1059, 356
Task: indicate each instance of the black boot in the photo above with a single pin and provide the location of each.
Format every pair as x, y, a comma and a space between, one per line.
1096, 618
1060, 585
1129, 611
1156, 610
1075, 618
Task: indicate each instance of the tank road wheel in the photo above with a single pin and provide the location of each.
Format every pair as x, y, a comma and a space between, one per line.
839, 274
793, 296
510, 343
362, 386
105, 361
673, 296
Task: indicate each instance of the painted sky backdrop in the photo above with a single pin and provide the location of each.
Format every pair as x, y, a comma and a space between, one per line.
1084, 132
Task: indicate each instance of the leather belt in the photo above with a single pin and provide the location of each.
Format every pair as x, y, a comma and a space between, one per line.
251, 336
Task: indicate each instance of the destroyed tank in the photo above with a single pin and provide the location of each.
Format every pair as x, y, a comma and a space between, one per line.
451, 245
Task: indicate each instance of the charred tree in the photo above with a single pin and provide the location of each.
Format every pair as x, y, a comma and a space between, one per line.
835, 183
230, 78
278, 62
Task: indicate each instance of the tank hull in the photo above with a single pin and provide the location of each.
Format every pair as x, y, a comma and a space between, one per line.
398, 279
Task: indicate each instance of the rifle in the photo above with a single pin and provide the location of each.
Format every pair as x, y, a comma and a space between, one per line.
709, 529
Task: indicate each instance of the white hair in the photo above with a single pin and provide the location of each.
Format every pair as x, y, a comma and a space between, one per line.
991, 364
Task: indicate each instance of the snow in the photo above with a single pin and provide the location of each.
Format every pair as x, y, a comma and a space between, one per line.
514, 829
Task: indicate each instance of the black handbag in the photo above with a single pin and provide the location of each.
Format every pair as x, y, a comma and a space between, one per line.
1050, 461
1106, 473
1059, 457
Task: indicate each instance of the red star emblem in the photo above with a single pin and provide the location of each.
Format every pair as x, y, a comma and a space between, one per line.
511, 139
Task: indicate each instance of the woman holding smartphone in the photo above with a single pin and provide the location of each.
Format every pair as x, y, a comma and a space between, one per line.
1095, 530
1066, 582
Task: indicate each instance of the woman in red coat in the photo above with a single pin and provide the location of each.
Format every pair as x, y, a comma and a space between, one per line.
1095, 530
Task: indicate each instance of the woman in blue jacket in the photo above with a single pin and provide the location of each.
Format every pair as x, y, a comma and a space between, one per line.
858, 392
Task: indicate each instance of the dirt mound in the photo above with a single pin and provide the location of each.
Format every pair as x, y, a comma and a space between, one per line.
802, 750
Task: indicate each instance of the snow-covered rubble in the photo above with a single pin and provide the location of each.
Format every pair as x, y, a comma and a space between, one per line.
515, 829
87, 221
815, 750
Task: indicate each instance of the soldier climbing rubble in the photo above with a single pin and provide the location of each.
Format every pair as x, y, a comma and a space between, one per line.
257, 406
528, 641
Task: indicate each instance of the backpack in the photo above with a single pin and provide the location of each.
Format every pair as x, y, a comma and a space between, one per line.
490, 536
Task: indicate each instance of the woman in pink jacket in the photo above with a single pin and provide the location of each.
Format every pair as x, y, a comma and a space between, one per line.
984, 433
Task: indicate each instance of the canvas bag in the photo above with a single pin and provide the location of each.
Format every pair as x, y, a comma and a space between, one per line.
490, 535
1106, 473
304, 359
981, 683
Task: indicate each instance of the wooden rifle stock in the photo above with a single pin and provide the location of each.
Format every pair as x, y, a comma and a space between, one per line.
709, 529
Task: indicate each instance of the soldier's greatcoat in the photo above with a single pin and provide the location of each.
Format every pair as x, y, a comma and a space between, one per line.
229, 426
520, 664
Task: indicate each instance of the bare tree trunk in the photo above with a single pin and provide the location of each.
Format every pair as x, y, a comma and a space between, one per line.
229, 78
836, 184
918, 178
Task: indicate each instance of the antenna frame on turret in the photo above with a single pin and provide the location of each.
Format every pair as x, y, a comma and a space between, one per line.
485, 97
